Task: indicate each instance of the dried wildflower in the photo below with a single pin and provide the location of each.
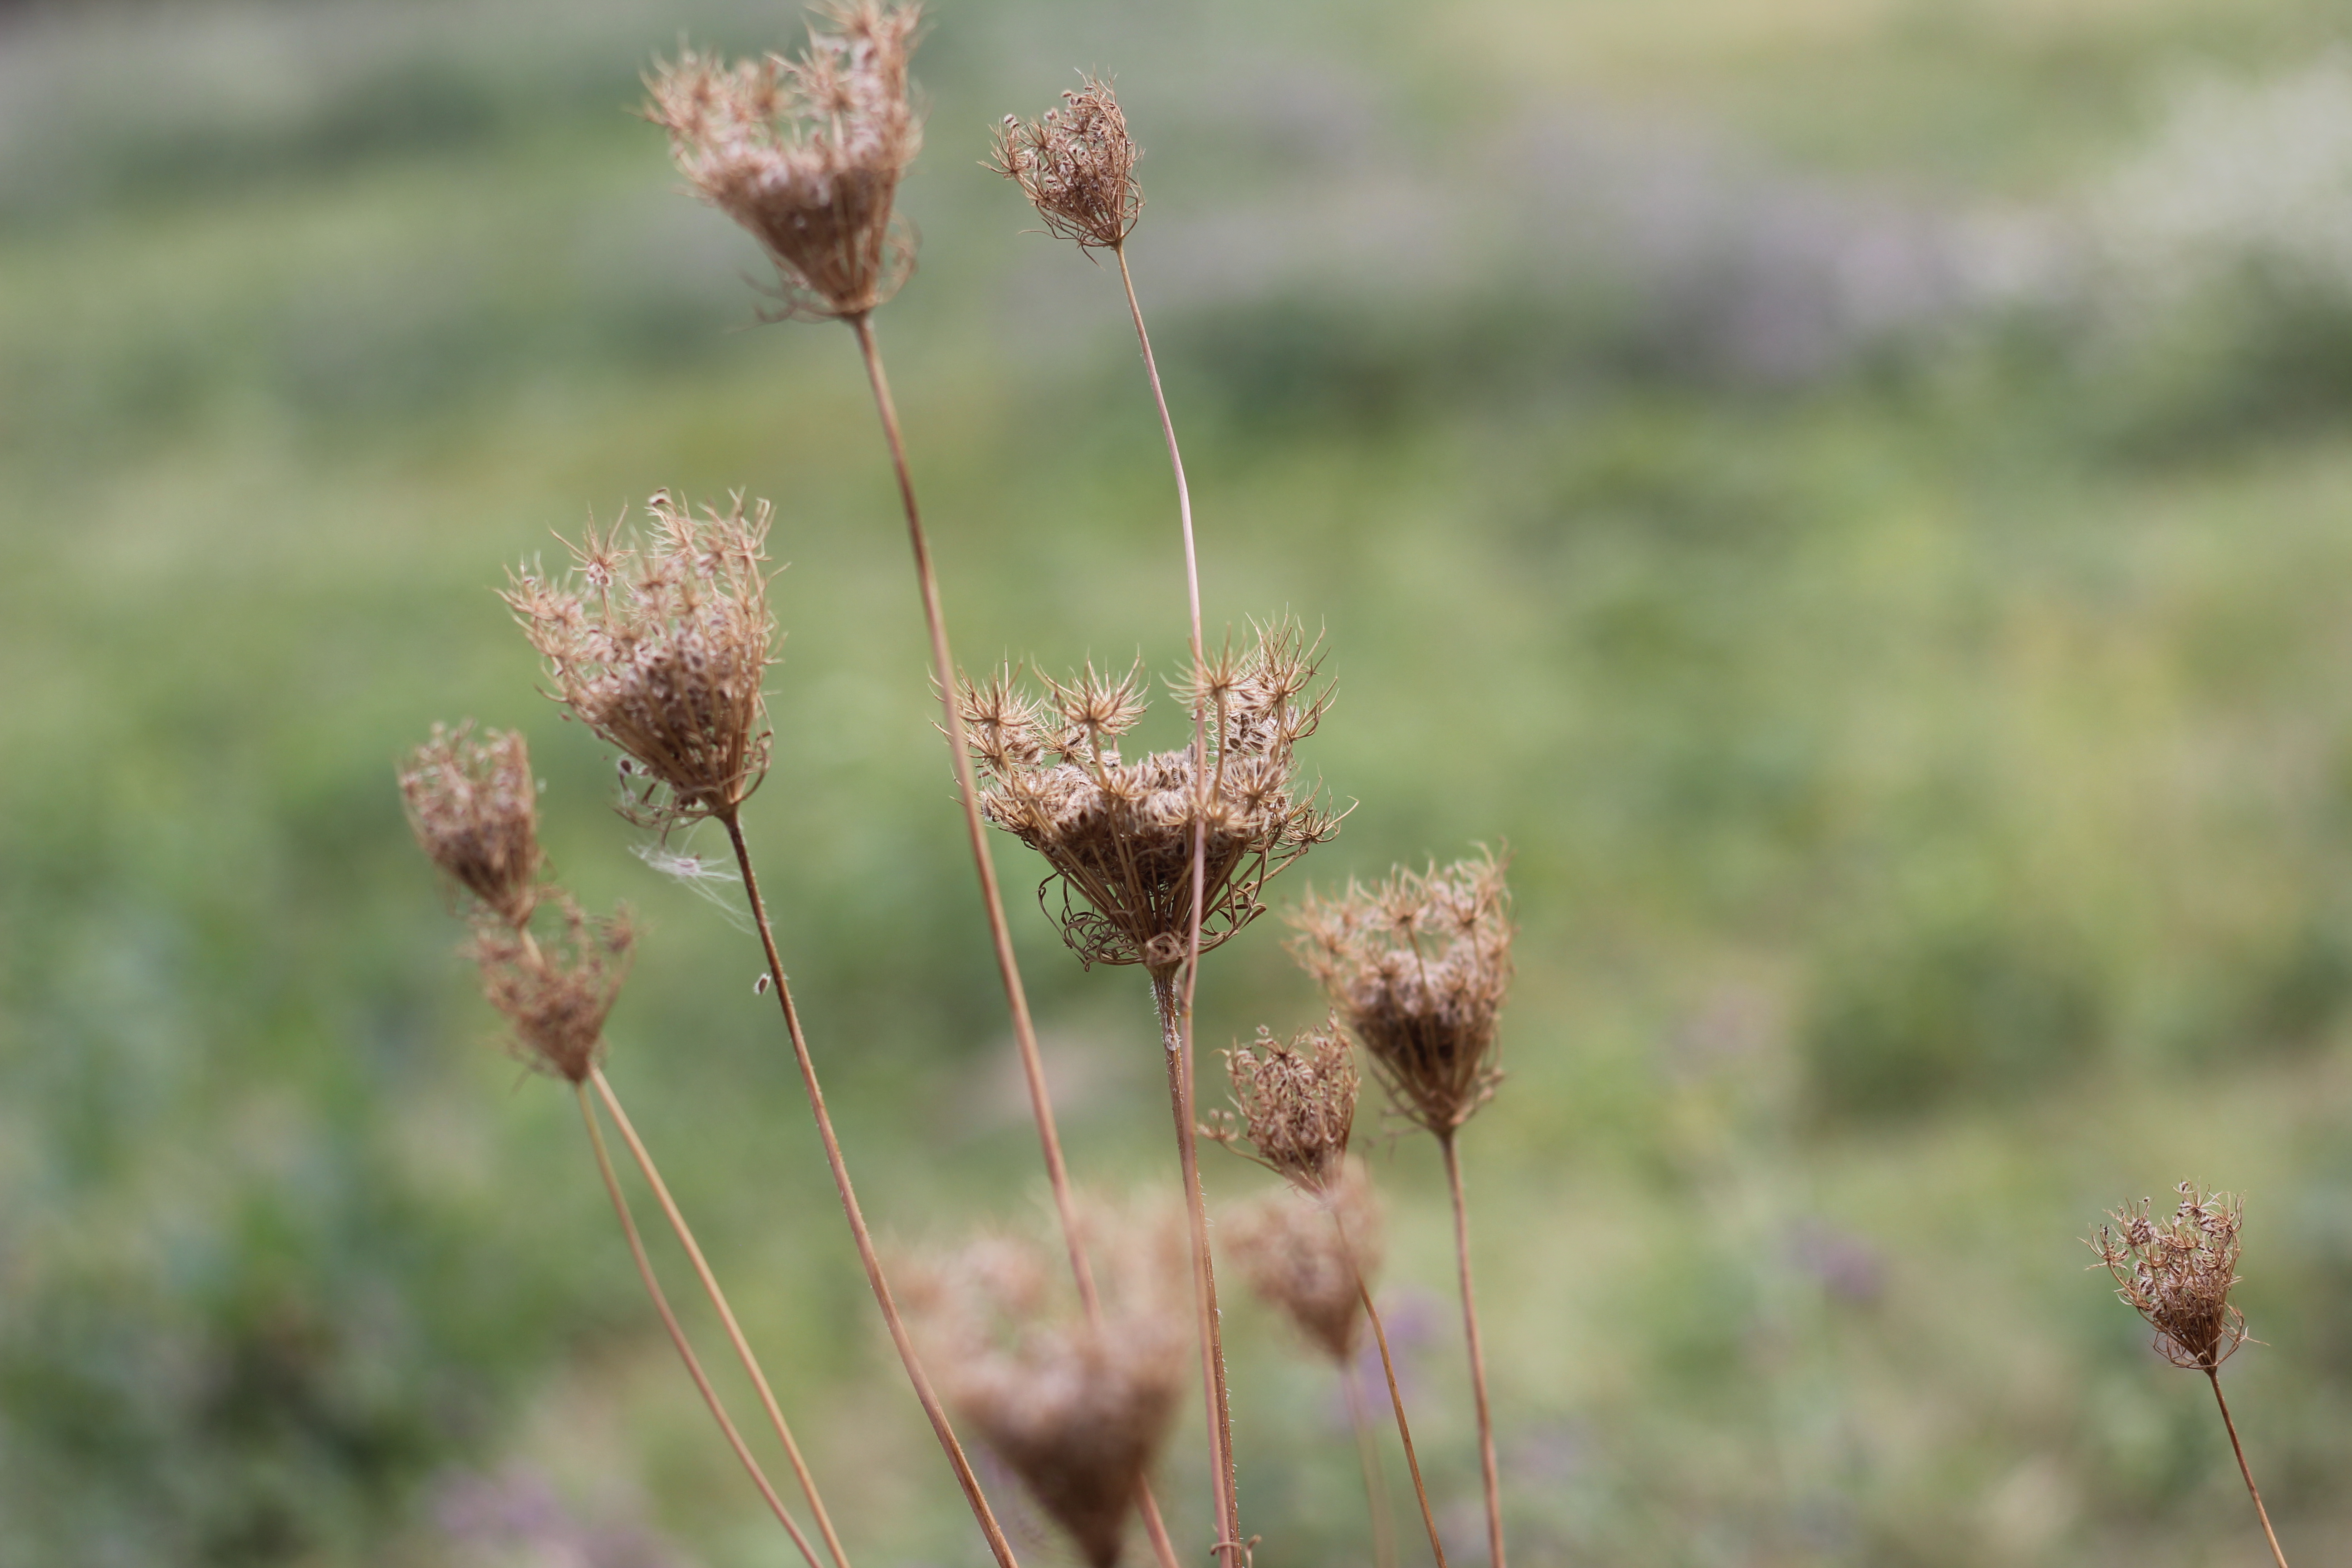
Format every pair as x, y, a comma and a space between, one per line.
806, 153
1077, 164
1296, 1257
556, 993
1417, 967
1119, 836
658, 647
1296, 1104
1077, 1412
2176, 1273
474, 809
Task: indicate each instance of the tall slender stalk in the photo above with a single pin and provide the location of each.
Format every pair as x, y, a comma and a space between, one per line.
2214, 1375
1000, 932
1376, 1487
1221, 1439
677, 1334
1396, 1399
726, 1313
924, 1393
1486, 1464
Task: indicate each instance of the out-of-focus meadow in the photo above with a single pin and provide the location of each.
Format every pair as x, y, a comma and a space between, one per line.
1854, 493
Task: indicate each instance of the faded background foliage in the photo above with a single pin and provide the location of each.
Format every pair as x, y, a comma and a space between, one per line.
1854, 493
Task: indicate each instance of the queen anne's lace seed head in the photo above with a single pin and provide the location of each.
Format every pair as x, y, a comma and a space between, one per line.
1118, 835
1417, 967
555, 993
474, 808
806, 153
2178, 1272
1302, 1252
658, 645
1293, 1105
1076, 166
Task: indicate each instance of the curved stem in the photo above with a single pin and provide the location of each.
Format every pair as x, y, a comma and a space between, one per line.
1376, 1487
677, 1335
1178, 1048
1486, 1464
924, 1393
1008, 966
2214, 1375
726, 1313
1396, 1399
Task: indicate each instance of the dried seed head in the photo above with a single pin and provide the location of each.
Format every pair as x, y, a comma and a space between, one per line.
1296, 1104
1298, 1258
555, 993
658, 647
1119, 836
1076, 1413
2176, 1273
1417, 967
806, 153
1077, 164
474, 809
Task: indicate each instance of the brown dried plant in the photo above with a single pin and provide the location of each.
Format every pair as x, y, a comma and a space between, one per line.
1120, 836
555, 993
474, 808
1075, 1405
806, 153
2177, 1273
1417, 967
1293, 1105
1298, 1261
1076, 166
658, 645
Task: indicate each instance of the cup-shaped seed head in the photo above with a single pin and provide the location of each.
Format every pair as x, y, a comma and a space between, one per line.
1302, 1253
1076, 166
658, 644
2176, 1272
474, 806
806, 153
1294, 1104
1417, 967
555, 991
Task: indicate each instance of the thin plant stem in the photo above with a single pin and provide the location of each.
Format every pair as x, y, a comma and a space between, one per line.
726, 1313
1486, 1464
1178, 1048
1396, 1399
677, 1334
924, 1393
1000, 930
2214, 1375
1228, 1489
1376, 1485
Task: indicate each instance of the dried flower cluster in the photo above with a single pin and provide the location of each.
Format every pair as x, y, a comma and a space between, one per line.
806, 153
556, 992
1119, 836
1418, 966
1077, 164
474, 808
660, 647
1294, 1104
1077, 1413
1303, 1254
2176, 1273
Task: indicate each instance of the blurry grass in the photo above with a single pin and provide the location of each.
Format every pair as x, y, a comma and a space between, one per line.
1928, 787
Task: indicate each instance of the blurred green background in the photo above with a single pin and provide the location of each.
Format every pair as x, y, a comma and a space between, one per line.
1853, 492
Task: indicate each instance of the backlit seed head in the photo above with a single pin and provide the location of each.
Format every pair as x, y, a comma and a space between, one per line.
1077, 166
2178, 1272
474, 808
1118, 835
1417, 967
1293, 1105
555, 991
658, 644
806, 153
1301, 1252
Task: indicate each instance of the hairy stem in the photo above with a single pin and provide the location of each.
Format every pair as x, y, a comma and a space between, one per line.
2214, 1375
1396, 1399
1178, 1048
1376, 1485
726, 1313
924, 1393
1000, 932
1486, 1464
677, 1335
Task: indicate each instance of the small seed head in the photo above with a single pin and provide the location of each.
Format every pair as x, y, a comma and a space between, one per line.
1076, 166
2177, 1273
556, 992
474, 808
1294, 1104
1301, 1253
